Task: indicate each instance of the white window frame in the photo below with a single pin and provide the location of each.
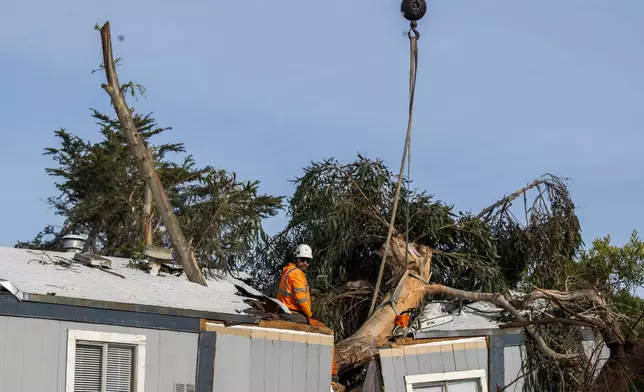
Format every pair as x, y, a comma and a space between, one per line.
137, 341
479, 374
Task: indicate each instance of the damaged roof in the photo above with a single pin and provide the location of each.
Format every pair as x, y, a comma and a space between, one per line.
40, 276
471, 319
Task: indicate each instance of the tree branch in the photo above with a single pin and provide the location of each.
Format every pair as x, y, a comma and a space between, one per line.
500, 301
375, 212
553, 320
526, 300
146, 162
610, 331
509, 198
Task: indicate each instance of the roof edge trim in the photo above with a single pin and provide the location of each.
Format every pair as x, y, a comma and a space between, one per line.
227, 318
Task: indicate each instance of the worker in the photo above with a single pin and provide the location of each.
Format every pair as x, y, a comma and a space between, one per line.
293, 289
295, 294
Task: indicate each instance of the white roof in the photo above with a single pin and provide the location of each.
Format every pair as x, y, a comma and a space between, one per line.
34, 272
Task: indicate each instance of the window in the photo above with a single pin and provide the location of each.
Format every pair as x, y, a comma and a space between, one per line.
467, 381
105, 362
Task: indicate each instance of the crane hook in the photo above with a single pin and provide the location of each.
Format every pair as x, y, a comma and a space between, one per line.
413, 10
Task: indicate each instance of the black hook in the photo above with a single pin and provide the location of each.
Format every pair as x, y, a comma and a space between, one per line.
413, 10
412, 29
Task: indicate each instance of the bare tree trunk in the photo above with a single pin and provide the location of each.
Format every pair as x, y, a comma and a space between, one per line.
147, 216
146, 163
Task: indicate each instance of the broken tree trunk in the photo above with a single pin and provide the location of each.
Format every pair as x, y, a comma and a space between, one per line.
409, 293
146, 163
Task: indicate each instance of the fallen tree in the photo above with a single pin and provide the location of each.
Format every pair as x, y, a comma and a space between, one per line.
585, 308
144, 158
341, 211
410, 292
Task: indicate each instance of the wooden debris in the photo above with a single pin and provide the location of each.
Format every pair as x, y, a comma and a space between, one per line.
281, 324
93, 260
97, 262
337, 387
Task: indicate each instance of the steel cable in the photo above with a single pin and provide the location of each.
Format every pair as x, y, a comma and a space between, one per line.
413, 60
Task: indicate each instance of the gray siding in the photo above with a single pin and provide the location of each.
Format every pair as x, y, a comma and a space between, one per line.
253, 359
33, 354
513, 363
438, 357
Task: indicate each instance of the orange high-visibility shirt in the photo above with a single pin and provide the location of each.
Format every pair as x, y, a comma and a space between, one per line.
294, 290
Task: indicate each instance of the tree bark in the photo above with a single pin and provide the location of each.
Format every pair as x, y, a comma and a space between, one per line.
146, 162
147, 216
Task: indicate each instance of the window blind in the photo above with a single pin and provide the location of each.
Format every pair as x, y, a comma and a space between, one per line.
88, 372
103, 368
119, 369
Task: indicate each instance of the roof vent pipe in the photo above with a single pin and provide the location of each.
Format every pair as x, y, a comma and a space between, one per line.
74, 243
156, 256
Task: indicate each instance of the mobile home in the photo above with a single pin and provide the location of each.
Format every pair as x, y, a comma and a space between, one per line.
67, 326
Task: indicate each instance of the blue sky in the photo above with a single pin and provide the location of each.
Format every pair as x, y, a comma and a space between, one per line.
507, 90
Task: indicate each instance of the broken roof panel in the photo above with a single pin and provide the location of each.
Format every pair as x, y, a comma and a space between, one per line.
41, 273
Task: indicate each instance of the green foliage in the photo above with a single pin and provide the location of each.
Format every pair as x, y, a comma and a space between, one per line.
47, 239
342, 211
102, 191
223, 217
532, 250
617, 272
612, 269
132, 88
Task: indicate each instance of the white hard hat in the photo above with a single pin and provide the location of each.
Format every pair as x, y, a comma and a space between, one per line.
303, 251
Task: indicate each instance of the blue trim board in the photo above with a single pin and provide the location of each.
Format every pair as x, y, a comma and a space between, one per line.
498, 343
227, 318
512, 340
206, 361
497, 365
10, 306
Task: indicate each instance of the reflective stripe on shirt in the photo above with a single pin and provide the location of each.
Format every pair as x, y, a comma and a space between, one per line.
296, 290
